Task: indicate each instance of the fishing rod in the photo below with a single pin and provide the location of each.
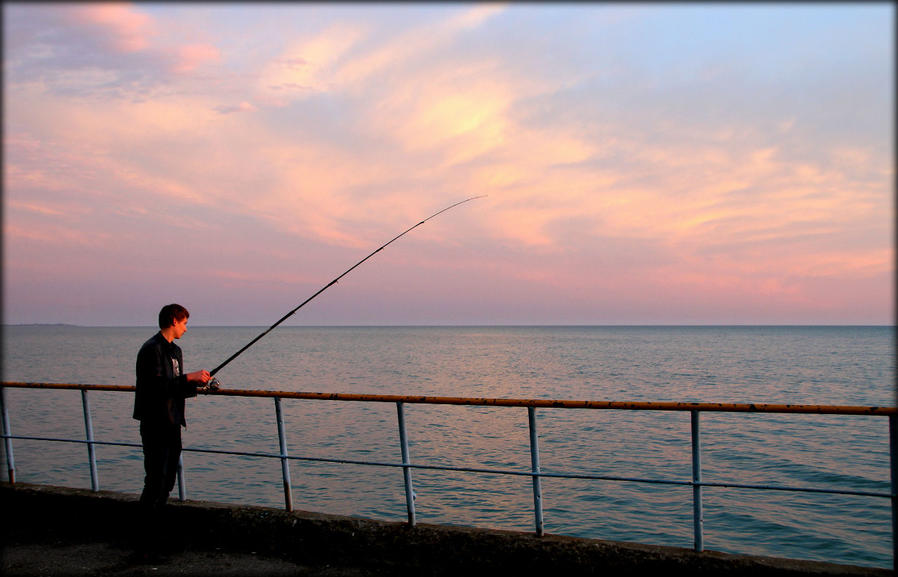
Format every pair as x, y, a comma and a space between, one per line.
214, 382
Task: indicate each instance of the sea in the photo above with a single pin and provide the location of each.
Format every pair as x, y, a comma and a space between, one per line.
820, 365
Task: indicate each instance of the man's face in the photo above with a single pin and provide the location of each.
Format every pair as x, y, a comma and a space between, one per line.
180, 327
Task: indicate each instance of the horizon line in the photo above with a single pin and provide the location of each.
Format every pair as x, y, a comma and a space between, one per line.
471, 325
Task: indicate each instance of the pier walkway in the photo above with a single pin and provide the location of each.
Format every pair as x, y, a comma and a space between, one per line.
54, 531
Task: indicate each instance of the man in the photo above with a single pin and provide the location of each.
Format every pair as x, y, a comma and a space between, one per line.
159, 403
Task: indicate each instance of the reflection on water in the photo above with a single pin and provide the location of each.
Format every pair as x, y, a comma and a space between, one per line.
798, 365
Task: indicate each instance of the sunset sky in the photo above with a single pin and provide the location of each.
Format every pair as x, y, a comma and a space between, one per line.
644, 164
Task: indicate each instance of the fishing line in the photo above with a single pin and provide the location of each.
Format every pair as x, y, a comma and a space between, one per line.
214, 382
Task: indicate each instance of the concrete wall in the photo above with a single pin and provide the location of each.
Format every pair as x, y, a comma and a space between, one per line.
33, 512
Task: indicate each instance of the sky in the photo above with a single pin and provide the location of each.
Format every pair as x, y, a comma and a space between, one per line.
642, 164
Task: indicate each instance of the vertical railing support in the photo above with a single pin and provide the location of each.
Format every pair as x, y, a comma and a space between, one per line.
406, 463
89, 434
534, 467
893, 465
182, 484
285, 463
10, 460
698, 520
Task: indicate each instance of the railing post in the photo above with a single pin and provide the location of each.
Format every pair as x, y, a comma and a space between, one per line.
89, 433
182, 485
893, 464
406, 471
534, 467
697, 515
285, 463
10, 460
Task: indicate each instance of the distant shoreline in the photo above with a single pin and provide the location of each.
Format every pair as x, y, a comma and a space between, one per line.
41, 325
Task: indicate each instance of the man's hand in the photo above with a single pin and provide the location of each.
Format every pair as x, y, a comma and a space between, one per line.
199, 377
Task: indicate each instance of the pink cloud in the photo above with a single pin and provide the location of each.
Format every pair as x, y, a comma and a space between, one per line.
583, 202
123, 28
191, 56
231, 108
122, 25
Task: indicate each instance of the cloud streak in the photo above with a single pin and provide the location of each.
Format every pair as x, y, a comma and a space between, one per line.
618, 167
117, 25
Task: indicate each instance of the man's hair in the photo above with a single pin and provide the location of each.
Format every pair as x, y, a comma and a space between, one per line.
171, 313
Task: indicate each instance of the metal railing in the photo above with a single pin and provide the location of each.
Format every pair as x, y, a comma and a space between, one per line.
695, 409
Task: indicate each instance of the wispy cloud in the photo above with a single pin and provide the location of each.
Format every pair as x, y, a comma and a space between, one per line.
192, 56
607, 173
119, 26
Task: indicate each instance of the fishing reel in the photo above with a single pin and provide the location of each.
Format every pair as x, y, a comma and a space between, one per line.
211, 385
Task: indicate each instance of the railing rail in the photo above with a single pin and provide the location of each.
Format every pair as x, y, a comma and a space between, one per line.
694, 408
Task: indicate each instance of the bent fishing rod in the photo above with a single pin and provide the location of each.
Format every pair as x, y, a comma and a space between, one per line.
214, 382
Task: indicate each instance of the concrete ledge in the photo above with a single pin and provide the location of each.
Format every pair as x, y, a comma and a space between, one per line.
32, 513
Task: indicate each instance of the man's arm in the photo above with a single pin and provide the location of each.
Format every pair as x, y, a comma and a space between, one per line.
153, 372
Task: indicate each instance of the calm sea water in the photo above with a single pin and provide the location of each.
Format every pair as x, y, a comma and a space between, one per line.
809, 365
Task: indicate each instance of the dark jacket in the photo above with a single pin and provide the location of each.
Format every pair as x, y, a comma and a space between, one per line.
161, 384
